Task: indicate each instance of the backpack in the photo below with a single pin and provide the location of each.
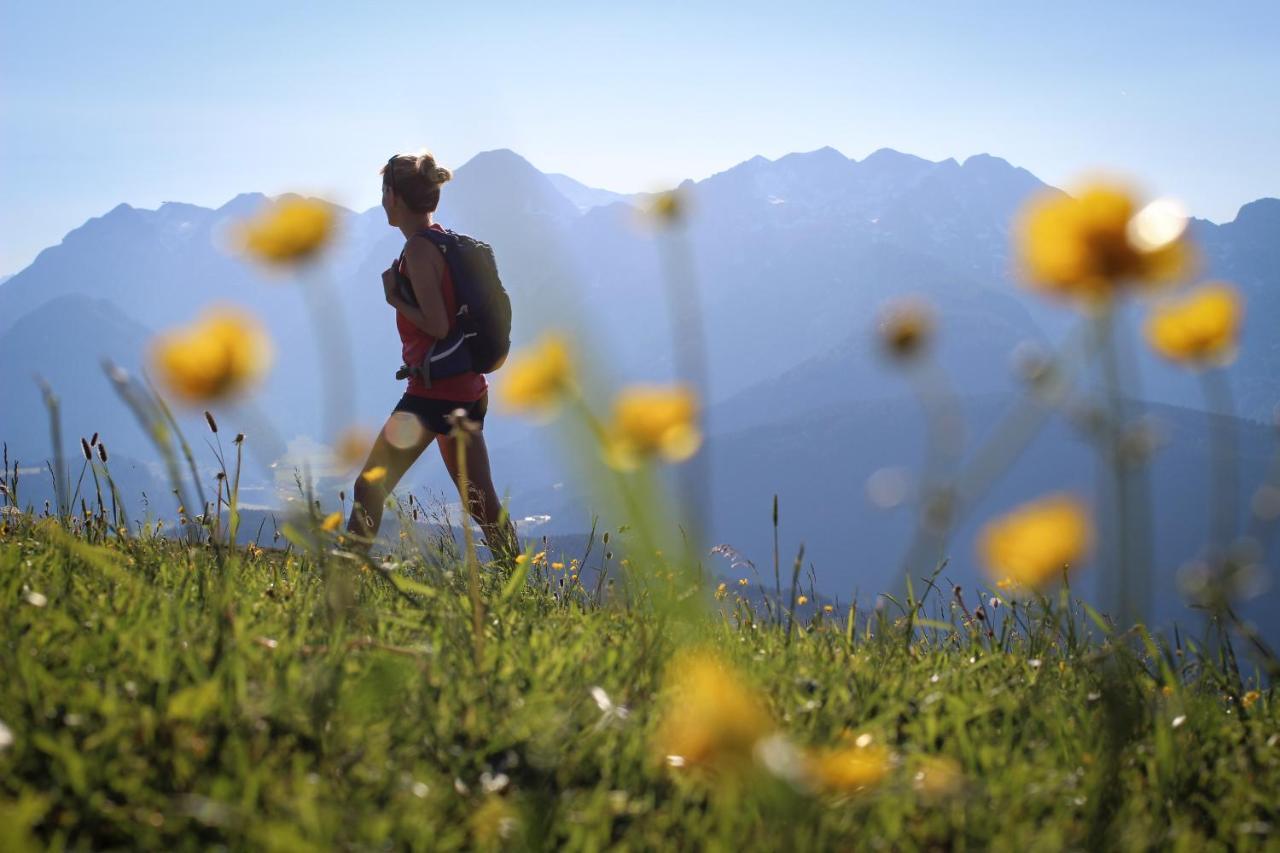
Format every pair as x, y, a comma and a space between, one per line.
480, 339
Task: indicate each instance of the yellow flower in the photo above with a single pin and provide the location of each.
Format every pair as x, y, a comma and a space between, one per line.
668, 207
557, 566
217, 356
375, 474
288, 231
938, 777
1249, 698
848, 769
711, 719
742, 581
1199, 329
722, 590
827, 608
521, 559
651, 420
352, 446
803, 599
1031, 545
331, 522
536, 380
906, 327
1088, 245
540, 558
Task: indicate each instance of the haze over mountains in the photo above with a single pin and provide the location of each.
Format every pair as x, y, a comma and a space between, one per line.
787, 263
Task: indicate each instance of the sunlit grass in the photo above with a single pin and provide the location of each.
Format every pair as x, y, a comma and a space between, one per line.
160, 695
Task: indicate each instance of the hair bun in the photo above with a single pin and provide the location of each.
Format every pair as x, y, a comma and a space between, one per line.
428, 169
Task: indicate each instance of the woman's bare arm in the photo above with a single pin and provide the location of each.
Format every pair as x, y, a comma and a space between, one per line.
425, 268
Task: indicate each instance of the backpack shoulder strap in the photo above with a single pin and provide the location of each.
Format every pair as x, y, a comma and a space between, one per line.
443, 239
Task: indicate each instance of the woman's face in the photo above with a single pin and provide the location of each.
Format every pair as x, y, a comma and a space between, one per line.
388, 202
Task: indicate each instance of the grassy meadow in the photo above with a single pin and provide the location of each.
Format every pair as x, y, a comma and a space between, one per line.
162, 695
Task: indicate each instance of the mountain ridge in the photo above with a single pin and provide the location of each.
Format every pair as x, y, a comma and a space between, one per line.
1264, 208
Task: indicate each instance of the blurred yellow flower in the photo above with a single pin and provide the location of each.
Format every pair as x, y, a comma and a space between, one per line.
1032, 545
331, 522
938, 777
906, 327
711, 719
288, 231
1199, 329
827, 608
521, 559
557, 566
1250, 698
352, 446
722, 590
848, 769
803, 599
1088, 245
536, 380
221, 353
375, 474
742, 581
651, 420
668, 207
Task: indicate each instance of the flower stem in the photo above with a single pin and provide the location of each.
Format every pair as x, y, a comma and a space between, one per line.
1224, 457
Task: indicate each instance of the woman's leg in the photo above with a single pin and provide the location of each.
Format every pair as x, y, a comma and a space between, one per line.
399, 444
483, 504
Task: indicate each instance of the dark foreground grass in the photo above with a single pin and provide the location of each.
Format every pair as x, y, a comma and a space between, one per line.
163, 696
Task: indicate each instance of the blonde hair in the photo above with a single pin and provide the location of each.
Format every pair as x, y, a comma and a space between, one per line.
416, 178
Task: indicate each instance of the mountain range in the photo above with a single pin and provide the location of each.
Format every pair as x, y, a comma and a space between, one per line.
777, 274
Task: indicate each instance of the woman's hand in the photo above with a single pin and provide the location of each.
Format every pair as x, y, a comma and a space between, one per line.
389, 282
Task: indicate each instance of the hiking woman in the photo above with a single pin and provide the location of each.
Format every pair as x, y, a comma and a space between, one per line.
410, 193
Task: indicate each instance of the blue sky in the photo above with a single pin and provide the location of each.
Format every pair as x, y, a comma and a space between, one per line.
145, 102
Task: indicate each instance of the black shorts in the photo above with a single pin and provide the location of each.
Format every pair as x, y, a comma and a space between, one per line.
433, 413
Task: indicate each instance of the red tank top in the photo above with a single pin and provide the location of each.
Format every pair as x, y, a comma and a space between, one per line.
415, 343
